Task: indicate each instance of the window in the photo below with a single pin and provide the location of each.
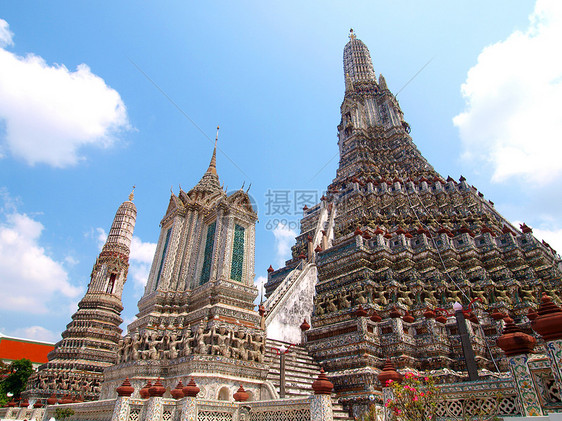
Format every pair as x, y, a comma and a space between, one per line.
224, 394
111, 283
163, 257
237, 254
209, 243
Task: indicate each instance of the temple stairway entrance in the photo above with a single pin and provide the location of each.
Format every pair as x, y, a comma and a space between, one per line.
300, 372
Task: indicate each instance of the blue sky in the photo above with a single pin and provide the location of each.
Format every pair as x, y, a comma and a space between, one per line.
97, 97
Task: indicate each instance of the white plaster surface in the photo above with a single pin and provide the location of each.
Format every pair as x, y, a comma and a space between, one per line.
295, 306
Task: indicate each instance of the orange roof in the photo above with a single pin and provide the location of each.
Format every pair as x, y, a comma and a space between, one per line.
15, 349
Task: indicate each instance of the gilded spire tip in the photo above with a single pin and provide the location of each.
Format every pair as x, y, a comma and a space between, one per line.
217, 137
213, 164
132, 194
352, 35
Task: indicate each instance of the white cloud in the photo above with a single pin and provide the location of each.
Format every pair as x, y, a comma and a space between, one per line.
101, 236
71, 261
30, 277
513, 95
37, 333
51, 112
552, 237
140, 260
284, 239
5, 34
141, 251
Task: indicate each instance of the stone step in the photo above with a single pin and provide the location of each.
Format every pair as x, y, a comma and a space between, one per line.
305, 369
339, 412
300, 372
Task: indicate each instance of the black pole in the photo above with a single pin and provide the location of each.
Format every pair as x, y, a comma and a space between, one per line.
282, 374
466, 346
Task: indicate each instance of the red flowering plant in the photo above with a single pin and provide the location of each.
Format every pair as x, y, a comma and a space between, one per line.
415, 399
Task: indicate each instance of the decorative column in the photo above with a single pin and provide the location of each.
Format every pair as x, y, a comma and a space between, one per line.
38, 410
123, 402
321, 405
386, 377
261, 311
189, 407
282, 351
517, 346
154, 410
548, 324
22, 414
467, 350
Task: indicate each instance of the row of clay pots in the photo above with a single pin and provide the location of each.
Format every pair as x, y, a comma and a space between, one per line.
24, 403
321, 386
407, 317
179, 392
428, 314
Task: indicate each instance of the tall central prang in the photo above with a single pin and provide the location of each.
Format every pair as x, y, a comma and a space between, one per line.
392, 246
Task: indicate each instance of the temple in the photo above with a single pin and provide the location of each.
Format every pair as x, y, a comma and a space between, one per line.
89, 343
196, 317
391, 247
397, 270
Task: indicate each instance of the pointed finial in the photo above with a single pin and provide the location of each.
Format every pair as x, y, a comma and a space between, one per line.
352, 35
249, 188
132, 194
213, 164
382, 82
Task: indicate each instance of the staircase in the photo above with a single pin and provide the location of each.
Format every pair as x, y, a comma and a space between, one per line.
300, 372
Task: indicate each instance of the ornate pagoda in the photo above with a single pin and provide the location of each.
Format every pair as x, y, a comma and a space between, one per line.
89, 343
391, 247
196, 318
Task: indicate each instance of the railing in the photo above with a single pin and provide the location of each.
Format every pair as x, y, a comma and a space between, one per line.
85, 411
280, 291
297, 409
213, 410
482, 398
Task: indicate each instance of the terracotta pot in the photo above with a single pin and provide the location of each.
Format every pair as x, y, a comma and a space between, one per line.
322, 386
191, 389
241, 395
389, 373
125, 389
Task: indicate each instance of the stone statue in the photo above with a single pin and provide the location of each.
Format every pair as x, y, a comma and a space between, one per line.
186, 343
